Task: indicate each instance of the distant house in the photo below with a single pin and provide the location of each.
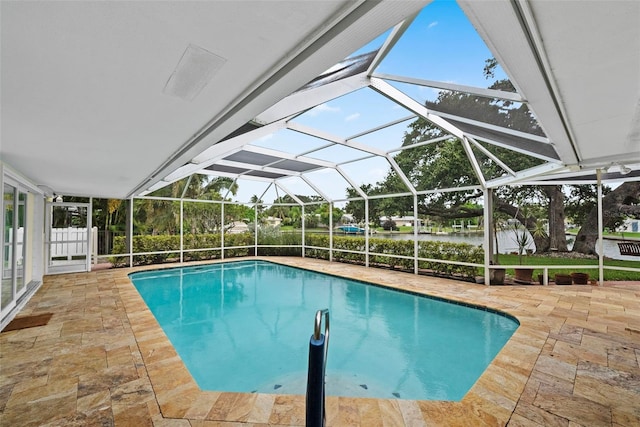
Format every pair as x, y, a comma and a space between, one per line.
347, 219
630, 226
273, 221
238, 227
406, 221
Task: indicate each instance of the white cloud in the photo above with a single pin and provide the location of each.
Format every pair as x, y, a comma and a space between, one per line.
265, 138
432, 24
323, 108
377, 174
352, 117
429, 93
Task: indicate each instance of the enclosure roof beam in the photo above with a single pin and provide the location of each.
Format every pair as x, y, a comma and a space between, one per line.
474, 161
525, 175
316, 188
419, 144
307, 130
472, 90
492, 156
290, 193
401, 174
304, 100
233, 175
391, 41
351, 182
411, 104
208, 156
383, 126
287, 156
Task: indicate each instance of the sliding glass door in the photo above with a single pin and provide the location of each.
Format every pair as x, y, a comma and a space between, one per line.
14, 210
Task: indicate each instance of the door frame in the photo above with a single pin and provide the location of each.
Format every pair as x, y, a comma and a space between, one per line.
17, 289
85, 266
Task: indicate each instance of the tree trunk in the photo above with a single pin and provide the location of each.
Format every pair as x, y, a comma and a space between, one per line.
620, 200
557, 238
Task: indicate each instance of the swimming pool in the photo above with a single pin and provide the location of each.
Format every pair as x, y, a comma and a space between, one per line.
244, 326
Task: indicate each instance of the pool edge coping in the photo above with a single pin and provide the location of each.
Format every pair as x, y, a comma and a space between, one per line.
179, 396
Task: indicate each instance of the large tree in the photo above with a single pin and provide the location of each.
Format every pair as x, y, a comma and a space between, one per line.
446, 164
622, 202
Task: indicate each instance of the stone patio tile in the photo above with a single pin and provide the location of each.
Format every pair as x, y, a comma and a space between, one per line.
574, 353
556, 367
574, 361
132, 415
287, 410
538, 416
390, 413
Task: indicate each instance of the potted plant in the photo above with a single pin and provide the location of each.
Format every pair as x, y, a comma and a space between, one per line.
496, 275
563, 279
523, 240
580, 278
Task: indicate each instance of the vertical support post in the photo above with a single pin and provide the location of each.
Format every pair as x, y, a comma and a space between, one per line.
416, 224
182, 230
600, 226
366, 231
255, 229
130, 231
330, 231
94, 244
90, 234
488, 228
303, 232
222, 230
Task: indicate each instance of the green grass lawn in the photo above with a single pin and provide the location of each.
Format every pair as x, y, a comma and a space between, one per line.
532, 260
622, 235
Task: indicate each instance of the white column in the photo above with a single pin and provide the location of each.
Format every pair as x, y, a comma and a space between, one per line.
600, 225
488, 228
416, 223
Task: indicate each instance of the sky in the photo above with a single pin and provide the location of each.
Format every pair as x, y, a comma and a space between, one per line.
440, 45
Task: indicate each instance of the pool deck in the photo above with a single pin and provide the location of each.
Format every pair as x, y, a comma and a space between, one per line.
103, 360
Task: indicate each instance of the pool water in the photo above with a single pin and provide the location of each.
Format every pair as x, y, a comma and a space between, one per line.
245, 326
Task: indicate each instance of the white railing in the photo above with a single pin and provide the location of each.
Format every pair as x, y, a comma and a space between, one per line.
67, 242
64, 243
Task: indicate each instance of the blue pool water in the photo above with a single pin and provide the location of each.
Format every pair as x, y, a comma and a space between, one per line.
245, 326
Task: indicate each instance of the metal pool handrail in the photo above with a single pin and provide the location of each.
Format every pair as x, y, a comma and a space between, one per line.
318, 348
316, 329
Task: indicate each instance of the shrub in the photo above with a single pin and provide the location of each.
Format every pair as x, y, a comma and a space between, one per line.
284, 244
383, 252
390, 225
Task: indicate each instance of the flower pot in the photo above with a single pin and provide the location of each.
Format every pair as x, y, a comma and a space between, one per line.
563, 279
496, 277
524, 275
580, 278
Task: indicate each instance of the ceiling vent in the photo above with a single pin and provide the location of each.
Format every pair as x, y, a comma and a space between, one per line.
194, 70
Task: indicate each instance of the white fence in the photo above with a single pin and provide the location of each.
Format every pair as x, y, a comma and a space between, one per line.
67, 242
64, 242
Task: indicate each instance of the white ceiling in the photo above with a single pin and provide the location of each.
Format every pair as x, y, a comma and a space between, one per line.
578, 64
83, 108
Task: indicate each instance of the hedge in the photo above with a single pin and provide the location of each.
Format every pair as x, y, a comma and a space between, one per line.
289, 244
462, 252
